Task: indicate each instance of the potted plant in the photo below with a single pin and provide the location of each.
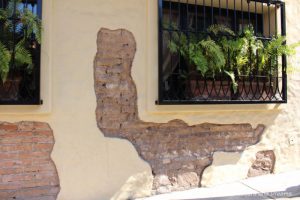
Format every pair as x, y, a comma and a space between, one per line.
205, 60
221, 53
20, 31
240, 50
254, 64
206, 57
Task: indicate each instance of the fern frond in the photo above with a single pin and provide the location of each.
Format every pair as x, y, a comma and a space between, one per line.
276, 47
33, 24
295, 45
173, 47
22, 55
171, 25
178, 44
5, 57
197, 57
3, 15
215, 55
218, 28
248, 32
234, 83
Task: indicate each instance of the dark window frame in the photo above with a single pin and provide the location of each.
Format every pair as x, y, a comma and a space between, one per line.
30, 86
162, 100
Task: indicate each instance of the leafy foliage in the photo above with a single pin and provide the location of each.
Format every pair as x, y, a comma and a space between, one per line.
204, 53
23, 56
273, 49
217, 29
197, 57
32, 24
18, 26
223, 51
214, 55
5, 57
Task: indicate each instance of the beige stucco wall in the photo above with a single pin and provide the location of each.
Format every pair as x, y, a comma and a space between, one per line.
93, 167
90, 167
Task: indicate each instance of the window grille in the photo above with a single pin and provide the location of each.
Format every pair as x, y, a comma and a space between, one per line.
21, 85
211, 27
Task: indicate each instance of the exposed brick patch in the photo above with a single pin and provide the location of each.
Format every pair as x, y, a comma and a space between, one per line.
26, 169
176, 152
264, 164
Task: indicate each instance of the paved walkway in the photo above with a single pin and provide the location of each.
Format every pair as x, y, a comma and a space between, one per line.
279, 186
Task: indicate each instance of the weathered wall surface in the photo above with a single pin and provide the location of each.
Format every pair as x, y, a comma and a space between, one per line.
27, 172
282, 134
90, 166
93, 167
176, 152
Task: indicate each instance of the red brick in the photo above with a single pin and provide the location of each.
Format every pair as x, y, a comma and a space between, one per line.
16, 177
8, 127
42, 147
34, 155
41, 126
16, 148
26, 169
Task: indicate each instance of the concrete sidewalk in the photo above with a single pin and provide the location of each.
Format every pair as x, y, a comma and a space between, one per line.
279, 186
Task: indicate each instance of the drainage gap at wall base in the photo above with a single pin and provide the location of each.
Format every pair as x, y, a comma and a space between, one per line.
176, 152
26, 169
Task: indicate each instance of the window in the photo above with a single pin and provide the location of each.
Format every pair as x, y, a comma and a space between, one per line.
20, 38
222, 51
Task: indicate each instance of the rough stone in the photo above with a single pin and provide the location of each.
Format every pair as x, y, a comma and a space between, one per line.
264, 164
26, 169
174, 149
163, 180
188, 180
137, 186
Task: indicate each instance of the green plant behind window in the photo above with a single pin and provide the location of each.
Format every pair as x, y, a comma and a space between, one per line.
223, 51
202, 52
18, 26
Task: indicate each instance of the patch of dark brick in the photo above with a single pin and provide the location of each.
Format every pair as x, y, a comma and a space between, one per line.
176, 152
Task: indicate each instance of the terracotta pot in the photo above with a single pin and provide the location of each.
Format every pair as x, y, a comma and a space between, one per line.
9, 90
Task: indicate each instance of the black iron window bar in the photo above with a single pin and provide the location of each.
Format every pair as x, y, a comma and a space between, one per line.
180, 83
23, 85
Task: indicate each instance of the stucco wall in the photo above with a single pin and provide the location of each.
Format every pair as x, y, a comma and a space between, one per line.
93, 167
90, 167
